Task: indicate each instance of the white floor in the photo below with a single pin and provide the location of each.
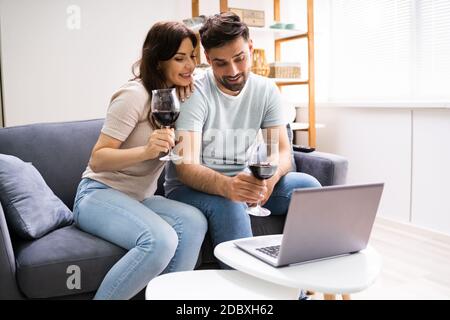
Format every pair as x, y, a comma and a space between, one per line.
416, 263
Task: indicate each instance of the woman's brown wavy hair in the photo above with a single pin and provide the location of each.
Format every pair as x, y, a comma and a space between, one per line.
161, 44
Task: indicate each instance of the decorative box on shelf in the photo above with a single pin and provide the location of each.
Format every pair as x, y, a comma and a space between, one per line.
253, 18
284, 70
259, 63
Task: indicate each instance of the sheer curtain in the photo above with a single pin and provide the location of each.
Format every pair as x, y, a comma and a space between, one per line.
389, 50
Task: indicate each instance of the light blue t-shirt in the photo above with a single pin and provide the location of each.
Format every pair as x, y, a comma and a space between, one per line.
229, 124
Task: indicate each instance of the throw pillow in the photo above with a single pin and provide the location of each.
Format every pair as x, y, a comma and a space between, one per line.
31, 208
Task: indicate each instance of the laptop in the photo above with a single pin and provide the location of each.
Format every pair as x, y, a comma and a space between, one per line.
321, 223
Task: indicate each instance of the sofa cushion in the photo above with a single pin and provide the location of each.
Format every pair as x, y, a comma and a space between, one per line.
59, 151
44, 266
290, 134
31, 208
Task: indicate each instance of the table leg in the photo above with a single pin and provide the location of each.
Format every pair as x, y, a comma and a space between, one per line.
330, 296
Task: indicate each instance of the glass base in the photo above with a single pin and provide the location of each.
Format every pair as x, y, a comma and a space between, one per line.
258, 211
171, 157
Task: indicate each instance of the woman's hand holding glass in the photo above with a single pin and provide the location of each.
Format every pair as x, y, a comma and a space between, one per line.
165, 107
161, 141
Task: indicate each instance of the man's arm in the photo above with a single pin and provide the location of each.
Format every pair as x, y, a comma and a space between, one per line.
273, 130
242, 187
191, 172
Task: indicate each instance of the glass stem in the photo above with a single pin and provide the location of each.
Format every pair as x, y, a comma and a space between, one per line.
171, 149
258, 204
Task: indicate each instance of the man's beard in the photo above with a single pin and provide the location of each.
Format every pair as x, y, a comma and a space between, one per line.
235, 87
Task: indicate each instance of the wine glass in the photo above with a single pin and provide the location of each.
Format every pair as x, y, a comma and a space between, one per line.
263, 164
165, 111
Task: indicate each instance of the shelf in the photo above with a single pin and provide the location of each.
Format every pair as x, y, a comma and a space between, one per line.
304, 126
278, 81
289, 81
278, 34
281, 34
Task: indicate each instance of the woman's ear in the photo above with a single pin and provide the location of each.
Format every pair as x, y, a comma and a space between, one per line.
161, 65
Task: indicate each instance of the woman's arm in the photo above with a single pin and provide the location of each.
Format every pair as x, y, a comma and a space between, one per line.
106, 155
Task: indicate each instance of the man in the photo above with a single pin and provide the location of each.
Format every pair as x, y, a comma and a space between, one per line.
219, 124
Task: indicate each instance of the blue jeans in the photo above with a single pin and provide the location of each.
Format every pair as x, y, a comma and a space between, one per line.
161, 235
228, 220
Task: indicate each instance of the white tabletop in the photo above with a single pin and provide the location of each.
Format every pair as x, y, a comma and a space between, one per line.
215, 285
344, 274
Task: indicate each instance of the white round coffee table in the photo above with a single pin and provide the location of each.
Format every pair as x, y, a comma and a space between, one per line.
340, 275
215, 285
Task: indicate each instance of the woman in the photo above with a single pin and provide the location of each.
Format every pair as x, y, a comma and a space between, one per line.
115, 199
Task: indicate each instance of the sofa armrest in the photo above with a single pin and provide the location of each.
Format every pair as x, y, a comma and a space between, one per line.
8, 287
329, 169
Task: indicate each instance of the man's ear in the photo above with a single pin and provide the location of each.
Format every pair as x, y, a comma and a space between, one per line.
207, 57
250, 46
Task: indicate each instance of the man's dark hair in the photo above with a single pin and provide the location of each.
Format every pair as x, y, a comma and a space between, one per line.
220, 29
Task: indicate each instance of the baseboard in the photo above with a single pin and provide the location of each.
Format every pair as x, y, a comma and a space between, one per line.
414, 231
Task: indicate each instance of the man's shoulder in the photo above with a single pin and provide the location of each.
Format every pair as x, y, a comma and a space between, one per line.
260, 86
260, 81
201, 79
199, 99
197, 103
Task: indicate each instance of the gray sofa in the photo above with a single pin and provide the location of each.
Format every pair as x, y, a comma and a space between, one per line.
38, 269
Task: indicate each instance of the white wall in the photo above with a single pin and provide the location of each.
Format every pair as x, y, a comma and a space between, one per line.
406, 148
53, 73
431, 169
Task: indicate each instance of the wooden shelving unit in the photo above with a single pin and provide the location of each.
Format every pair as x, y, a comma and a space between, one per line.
281, 36
310, 126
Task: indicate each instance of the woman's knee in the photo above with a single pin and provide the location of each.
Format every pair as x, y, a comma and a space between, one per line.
162, 241
192, 219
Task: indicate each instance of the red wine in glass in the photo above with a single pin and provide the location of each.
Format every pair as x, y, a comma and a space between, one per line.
263, 164
165, 108
166, 118
263, 170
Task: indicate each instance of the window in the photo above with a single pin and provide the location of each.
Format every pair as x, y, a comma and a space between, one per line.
389, 50
433, 49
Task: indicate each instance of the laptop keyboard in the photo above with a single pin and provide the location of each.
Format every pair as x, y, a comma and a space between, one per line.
272, 251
